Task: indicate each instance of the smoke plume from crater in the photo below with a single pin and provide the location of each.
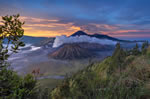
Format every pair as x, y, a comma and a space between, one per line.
60, 40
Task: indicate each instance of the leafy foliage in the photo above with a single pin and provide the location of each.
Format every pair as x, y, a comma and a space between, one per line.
10, 33
12, 86
135, 50
144, 47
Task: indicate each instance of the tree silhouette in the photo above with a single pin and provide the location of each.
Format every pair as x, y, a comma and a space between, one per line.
10, 33
12, 86
118, 56
144, 47
136, 50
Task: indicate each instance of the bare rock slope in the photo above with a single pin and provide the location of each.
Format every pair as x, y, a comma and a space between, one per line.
71, 51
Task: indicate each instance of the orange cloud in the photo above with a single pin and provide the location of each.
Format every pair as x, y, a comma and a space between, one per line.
53, 27
42, 33
48, 28
1, 21
118, 31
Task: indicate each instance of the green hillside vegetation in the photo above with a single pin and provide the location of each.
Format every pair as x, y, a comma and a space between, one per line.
124, 75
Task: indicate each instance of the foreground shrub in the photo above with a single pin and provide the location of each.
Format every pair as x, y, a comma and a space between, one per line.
13, 86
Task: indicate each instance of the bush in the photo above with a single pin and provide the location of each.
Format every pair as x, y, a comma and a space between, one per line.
148, 52
13, 86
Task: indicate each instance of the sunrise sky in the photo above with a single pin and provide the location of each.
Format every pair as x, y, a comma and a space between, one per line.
117, 18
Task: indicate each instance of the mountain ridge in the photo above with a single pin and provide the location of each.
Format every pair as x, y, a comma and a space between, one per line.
100, 36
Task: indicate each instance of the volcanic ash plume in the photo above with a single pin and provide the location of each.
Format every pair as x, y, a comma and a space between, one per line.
60, 40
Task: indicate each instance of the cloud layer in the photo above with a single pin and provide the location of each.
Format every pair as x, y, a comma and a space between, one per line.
60, 40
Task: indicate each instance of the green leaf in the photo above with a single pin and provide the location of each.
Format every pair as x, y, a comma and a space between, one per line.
10, 18
21, 44
6, 56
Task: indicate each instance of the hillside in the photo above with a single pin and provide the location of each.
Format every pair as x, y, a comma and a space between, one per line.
95, 46
124, 75
46, 42
71, 51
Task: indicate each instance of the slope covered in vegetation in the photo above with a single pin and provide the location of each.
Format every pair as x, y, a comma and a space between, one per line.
124, 75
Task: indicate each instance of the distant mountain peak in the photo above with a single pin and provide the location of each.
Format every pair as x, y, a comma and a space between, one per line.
96, 35
71, 51
78, 33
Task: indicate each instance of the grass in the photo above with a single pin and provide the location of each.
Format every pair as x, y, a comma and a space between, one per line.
49, 83
58, 67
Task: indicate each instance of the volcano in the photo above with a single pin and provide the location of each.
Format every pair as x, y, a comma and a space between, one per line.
79, 33
71, 51
99, 36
